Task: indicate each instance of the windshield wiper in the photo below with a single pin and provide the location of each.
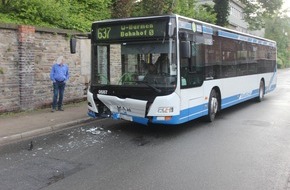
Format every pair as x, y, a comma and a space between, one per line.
147, 84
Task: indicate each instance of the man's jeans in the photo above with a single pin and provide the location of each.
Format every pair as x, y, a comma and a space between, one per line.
58, 91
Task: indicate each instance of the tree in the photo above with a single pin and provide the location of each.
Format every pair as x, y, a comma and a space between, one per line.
258, 11
278, 29
66, 14
205, 13
5, 2
221, 8
151, 7
122, 8
188, 8
79, 14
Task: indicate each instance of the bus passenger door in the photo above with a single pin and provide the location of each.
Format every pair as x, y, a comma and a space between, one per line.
191, 80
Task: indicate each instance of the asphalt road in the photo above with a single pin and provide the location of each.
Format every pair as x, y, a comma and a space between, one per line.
247, 147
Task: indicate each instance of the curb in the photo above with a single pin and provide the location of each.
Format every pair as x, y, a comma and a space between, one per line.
42, 131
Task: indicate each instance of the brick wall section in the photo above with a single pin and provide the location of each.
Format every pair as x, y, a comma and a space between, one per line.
26, 66
48, 47
9, 74
26, 56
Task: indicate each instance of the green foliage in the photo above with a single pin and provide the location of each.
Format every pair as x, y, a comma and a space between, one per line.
79, 14
256, 13
151, 7
67, 14
185, 8
197, 11
121, 8
278, 29
4, 18
280, 63
205, 13
221, 7
182, 7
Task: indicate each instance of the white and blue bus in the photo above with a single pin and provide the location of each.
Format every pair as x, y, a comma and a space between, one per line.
172, 69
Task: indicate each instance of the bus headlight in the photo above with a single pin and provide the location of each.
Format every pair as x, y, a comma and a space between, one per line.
165, 109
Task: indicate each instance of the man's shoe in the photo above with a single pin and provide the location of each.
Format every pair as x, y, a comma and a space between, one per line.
53, 110
60, 109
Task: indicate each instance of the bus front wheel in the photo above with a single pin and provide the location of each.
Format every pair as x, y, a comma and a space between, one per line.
213, 104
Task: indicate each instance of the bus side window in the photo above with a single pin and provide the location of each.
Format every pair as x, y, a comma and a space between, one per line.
184, 71
196, 67
192, 68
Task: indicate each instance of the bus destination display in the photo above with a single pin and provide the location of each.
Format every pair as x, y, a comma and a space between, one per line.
132, 30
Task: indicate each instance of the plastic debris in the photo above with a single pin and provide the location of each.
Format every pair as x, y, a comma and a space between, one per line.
94, 130
30, 146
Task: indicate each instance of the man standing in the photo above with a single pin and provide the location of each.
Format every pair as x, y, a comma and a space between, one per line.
59, 74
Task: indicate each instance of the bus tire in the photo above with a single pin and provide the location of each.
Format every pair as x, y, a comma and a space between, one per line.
260, 98
213, 105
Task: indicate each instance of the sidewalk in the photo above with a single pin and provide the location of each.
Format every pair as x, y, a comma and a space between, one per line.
18, 126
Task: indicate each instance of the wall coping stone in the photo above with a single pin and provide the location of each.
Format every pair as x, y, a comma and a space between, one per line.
41, 29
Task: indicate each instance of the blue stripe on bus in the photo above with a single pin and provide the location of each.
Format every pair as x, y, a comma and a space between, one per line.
207, 29
202, 110
141, 120
233, 100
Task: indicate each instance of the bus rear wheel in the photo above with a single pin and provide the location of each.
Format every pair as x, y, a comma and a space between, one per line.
213, 105
261, 91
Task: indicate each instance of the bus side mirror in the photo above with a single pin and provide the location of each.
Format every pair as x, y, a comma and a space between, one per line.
73, 43
185, 49
89, 36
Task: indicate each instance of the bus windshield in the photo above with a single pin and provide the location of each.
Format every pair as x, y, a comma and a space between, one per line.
147, 64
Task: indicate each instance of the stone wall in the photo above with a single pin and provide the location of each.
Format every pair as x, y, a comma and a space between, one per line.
26, 56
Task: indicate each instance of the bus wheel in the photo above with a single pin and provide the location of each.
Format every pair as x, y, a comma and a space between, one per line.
213, 104
261, 91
